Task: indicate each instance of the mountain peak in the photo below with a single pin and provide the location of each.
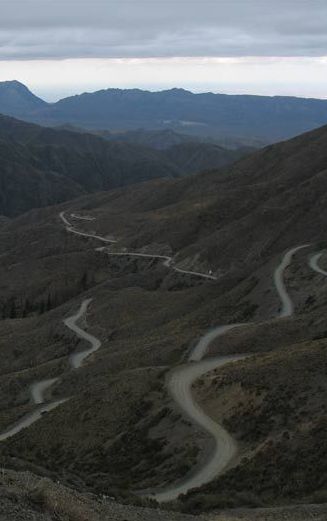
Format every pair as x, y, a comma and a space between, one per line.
16, 99
13, 83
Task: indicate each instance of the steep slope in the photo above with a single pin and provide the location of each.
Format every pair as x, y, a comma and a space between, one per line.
24, 185
209, 217
41, 166
119, 431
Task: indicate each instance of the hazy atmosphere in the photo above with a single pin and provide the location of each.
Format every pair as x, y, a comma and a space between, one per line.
244, 46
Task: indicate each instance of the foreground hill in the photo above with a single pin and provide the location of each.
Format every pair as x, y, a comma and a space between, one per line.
220, 248
241, 117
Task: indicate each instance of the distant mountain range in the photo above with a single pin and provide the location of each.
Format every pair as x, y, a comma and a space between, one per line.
41, 166
243, 117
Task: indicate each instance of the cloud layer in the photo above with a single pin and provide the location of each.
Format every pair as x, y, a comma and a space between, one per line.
55, 29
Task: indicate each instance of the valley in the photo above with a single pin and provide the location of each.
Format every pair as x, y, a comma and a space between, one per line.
148, 333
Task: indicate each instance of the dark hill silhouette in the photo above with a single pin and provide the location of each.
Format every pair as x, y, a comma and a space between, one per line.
41, 166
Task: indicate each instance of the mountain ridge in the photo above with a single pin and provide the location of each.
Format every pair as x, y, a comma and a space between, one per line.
40, 166
269, 118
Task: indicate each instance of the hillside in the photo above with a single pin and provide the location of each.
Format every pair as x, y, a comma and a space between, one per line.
195, 157
280, 189
42, 166
243, 118
188, 154
192, 254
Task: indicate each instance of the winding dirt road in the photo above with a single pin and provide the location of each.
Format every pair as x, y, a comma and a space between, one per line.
179, 384
39, 388
168, 262
287, 304
29, 419
181, 379
202, 346
77, 359
70, 228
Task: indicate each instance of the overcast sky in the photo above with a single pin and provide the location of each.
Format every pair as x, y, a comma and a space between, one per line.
259, 46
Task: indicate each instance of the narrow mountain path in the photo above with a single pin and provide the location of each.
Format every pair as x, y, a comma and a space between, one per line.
39, 388
168, 261
29, 419
202, 346
77, 359
287, 304
82, 217
70, 228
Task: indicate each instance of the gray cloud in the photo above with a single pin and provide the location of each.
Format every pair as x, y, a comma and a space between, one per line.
34, 29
